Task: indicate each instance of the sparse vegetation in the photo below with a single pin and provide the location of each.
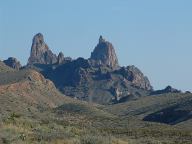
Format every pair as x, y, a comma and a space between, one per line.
35, 112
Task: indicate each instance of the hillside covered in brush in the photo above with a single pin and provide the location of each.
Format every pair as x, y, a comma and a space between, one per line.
58, 100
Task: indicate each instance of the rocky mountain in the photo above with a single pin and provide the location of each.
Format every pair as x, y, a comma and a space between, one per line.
32, 110
13, 63
99, 78
122, 106
40, 52
104, 54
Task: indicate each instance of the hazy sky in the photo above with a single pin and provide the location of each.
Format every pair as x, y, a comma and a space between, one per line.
154, 35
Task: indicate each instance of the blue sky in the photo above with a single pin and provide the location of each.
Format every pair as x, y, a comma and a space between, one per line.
154, 35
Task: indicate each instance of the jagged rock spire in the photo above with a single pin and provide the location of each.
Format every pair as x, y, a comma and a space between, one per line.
104, 54
40, 52
60, 58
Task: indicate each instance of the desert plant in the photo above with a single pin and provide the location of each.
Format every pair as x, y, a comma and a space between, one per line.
95, 139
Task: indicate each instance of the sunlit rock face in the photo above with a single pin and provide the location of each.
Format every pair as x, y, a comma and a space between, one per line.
104, 54
40, 52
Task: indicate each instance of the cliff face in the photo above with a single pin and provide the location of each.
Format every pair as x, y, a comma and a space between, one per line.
104, 54
40, 52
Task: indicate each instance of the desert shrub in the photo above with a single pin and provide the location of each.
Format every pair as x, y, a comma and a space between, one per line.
95, 139
14, 115
11, 118
4, 141
22, 136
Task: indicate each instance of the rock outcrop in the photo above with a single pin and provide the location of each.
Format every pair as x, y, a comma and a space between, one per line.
104, 54
168, 89
135, 76
13, 63
60, 58
187, 92
40, 52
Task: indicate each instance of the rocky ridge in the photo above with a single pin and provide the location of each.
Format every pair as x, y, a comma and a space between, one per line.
4, 68
95, 79
13, 63
168, 89
98, 79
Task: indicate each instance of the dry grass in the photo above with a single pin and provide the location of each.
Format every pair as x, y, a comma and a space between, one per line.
33, 112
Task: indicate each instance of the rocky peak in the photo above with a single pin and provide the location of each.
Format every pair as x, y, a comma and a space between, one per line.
101, 39
60, 58
171, 90
13, 63
40, 52
104, 54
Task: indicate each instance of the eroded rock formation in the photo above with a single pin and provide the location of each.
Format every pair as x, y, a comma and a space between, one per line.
40, 52
13, 63
104, 54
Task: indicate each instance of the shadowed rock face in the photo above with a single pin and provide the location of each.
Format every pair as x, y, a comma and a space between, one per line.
40, 52
104, 54
103, 85
13, 63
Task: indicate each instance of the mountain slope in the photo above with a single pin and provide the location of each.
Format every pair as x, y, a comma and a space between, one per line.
4, 68
171, 108
29, 113
13, 63
33, 111
21, 90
